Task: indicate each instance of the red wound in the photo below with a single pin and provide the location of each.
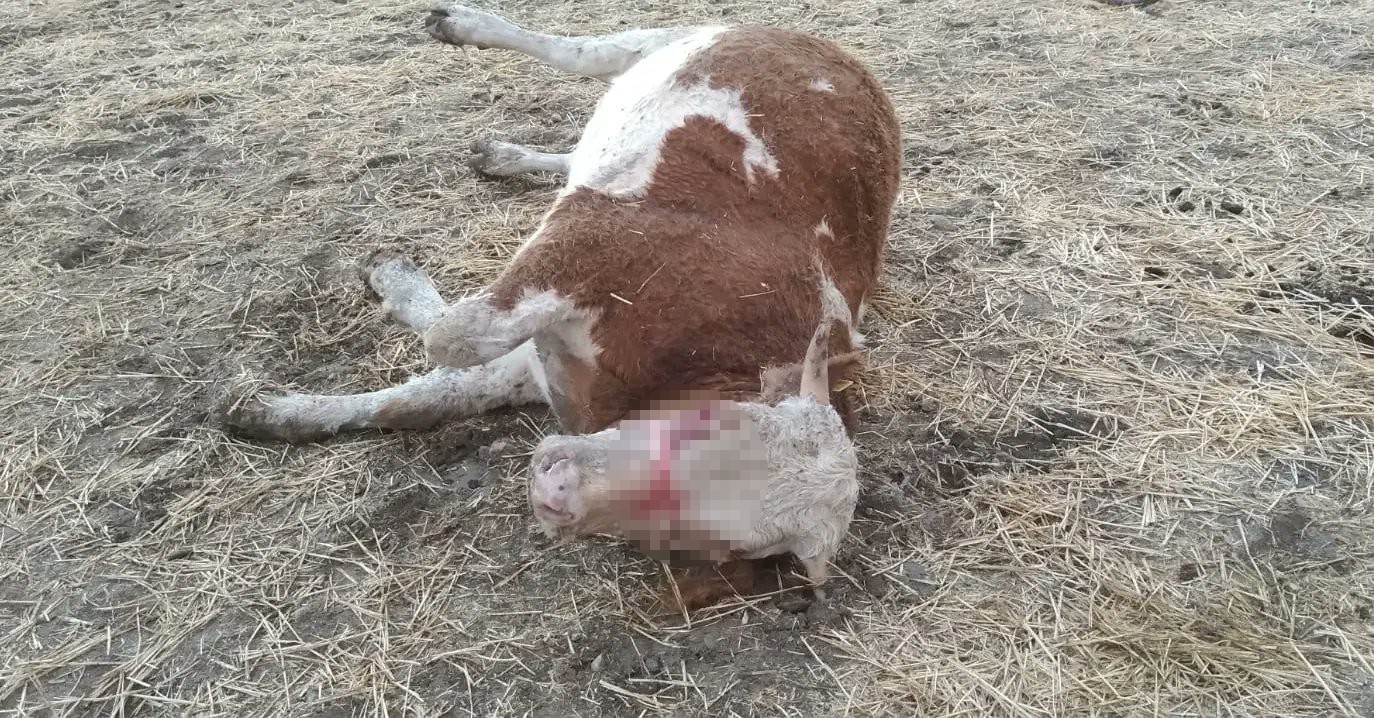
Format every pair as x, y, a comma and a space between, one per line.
663, 496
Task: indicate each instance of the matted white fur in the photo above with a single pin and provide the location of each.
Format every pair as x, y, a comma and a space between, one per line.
814, 482
833, 305
620, 147
473, 331
407, 293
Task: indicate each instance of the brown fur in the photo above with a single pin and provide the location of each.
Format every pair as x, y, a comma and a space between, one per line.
692, 319
720, 277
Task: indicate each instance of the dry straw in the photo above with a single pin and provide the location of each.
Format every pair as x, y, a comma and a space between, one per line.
1117, 450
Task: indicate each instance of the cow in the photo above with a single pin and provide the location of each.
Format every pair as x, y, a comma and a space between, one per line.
730, 179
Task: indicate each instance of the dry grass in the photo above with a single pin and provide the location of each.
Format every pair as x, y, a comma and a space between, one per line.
1120, 444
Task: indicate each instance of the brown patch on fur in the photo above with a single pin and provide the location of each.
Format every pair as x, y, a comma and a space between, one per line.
838, 153
696, 323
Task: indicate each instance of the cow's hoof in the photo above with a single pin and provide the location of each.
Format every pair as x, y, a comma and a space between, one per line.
494, 158
458, 25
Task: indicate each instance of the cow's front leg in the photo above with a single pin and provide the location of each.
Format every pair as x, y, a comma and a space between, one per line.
512, 378
425, 401
408, 295
483, 326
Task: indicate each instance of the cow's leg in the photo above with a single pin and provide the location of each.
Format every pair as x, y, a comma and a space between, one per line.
407, 293
471, 331
502, 159
817, 572
424, 401
602, 56
443, 394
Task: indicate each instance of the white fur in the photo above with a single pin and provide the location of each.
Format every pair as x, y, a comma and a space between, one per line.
820, 84
814, 481
603, 57
407, 293
541, 377
620, 146
834, 306
439, 395
503, 159
473, 331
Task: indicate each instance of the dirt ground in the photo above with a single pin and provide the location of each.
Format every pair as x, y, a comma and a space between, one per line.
1119, 439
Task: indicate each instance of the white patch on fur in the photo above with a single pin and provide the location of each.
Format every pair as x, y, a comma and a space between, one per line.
575, 333
528, 353
853, 332
834, 306
621, 145
507, 375
473, 331
562, 343
823, 228
820, 84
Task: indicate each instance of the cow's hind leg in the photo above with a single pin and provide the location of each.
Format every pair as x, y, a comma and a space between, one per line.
600, 56
503, 159
424, 401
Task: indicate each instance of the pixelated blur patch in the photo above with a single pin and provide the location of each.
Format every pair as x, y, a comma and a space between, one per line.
688, 479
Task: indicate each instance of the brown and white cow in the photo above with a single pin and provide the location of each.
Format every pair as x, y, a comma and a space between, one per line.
729, 179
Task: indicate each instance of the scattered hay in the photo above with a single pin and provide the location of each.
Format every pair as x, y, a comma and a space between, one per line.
1118, 449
